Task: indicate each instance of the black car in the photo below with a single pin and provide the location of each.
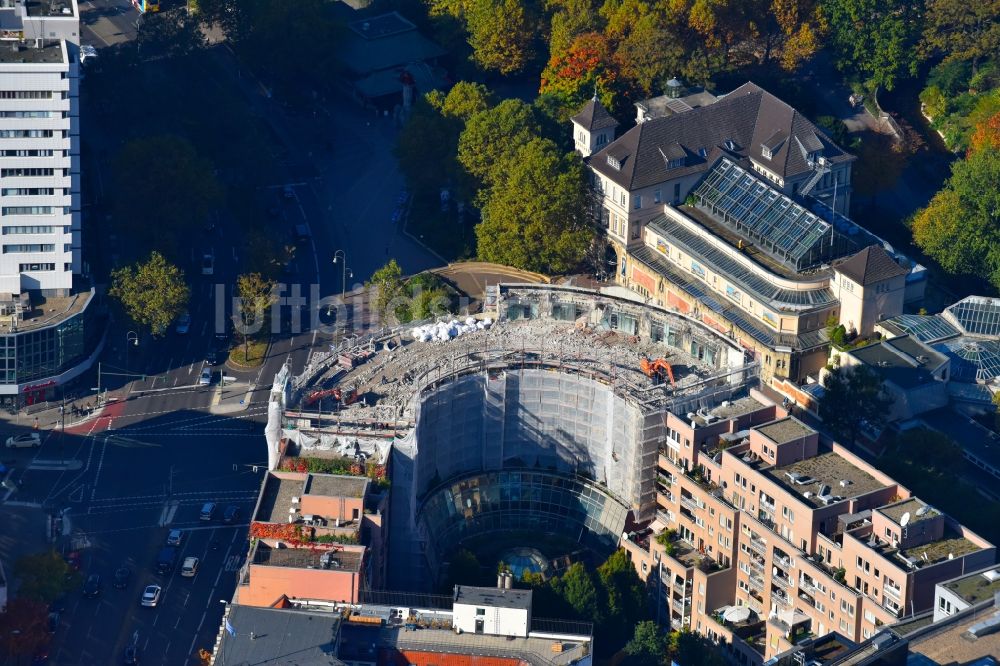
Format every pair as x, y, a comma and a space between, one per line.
131, 655
121, 578
92, 587
232, 514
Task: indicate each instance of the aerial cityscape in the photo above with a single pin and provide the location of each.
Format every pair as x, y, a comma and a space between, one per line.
500, 332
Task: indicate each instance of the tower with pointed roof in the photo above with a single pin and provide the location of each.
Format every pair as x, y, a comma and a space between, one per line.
593, 127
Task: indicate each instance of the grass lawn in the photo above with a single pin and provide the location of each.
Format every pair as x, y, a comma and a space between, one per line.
252, 355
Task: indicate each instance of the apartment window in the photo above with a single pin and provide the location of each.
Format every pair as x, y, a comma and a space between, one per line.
22, 152
29, 247
788, 514
843, 625
35, 267
658, 196
637, 204
19, 173
37, 229
26, 210
25, 94
480, 612
27, 114
25, 134
869, 616
28, 191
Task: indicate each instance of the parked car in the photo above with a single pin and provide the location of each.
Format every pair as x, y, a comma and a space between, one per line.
151, 596
207, 511
122, 574
28, 440
184, 323
206, 377
232, 514
174, 537
92, 588
207, 264
190, 567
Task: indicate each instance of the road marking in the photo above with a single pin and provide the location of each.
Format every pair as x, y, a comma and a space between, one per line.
204, 324
177, 624
155, 619
100, 465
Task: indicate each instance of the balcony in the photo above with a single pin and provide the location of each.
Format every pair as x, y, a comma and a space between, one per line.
783, 562
807, 598
892, 592
780, 599
756, 583
691, 503
807, 585
782, 582
758, 545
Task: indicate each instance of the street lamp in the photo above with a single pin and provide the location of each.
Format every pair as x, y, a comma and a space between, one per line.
131, 338
341, 256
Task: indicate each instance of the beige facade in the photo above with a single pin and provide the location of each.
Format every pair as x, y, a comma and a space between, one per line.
863, 306
755, 512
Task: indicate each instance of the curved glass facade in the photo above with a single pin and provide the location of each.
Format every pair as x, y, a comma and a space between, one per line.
34, 354
521, 500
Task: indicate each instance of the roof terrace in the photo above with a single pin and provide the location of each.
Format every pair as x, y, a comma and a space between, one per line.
279, 489
306, 558
842, 478
918, 510
47, 53
949, 546
976, 587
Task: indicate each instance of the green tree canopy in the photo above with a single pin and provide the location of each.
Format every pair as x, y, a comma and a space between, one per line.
493, 136
877, 39
577, 588
500, 34
624, 593
960, 228
45, 576
153, 293
648, 645
464, 100
963, 30
256, 294
535, 218
164, 192
388, 283
853, 396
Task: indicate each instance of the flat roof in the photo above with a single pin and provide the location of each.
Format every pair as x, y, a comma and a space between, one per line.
44, 311
899, 361
306, 558
784, 430
492, 596
739, 407
280, 636
911, 506
827, 469
335, 485
49, 53
277, 498
975, 587
950, 646
50, 8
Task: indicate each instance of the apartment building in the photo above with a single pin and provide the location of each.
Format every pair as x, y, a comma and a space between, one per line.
732, 209
765, 538
314, 536
48, 330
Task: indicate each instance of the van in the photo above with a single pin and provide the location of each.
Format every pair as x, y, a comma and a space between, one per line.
165, 560
207, 511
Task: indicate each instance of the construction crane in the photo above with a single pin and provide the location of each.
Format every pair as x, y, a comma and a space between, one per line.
656, 369
348, 398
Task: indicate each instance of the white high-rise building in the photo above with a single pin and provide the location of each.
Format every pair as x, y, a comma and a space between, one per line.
46, 333
39, 146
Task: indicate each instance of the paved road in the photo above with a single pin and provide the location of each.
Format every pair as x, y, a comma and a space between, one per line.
107, 22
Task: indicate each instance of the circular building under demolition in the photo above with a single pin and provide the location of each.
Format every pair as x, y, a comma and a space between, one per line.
544, 423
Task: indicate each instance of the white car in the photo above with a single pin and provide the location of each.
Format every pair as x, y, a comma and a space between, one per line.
206, 377
87, 52
184, 323
190, 567
151, 595
28, 440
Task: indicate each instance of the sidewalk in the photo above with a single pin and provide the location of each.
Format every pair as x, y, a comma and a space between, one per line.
234, 397
51, 417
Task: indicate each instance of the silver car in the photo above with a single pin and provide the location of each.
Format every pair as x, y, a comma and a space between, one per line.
151, 595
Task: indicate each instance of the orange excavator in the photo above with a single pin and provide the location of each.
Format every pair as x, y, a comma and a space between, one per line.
656, 369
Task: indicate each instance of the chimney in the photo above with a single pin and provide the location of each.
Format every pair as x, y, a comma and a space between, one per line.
500, 577
456, 593
508, 579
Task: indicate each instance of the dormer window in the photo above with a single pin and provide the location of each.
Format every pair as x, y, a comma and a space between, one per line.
765, 152
614, 163
730, 144
703, 152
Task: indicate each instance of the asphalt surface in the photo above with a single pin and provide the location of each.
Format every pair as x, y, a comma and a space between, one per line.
154, 456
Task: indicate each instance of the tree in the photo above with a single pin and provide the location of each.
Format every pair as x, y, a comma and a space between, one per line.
623, 592
464, 569
877, 39
44, 577
388, 283
169, 34
23, 628
853, 397
164, 192
535, 218
493, 136
986, 135
960, 228
691, 649
934, 451
500, 34
881, 161
648, 645
577, 588
256, 294
963, 30
466, 99
153, 292
575, 74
